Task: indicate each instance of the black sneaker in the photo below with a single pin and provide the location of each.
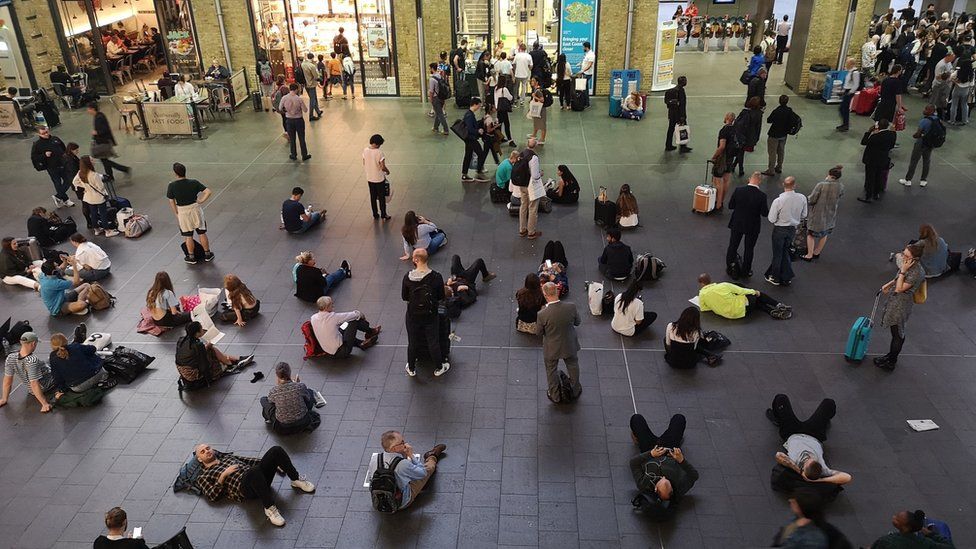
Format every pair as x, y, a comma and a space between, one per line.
208, 257
81, 333
466, 178
190, 260
345, 267
772, 417
244, 361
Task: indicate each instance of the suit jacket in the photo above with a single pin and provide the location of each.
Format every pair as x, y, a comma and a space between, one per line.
749, 207
877, 146
677, 103
557, 323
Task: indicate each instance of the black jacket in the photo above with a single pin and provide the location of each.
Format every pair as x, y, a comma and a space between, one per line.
780, 121
749, 207
539, 58
52, 144
103, 130
102, 542
877, 148
69, 167
310, 283
748, 126
618, 258
191, 352
677, 104
757, 88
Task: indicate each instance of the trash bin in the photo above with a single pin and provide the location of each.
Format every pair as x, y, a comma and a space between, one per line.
816, 80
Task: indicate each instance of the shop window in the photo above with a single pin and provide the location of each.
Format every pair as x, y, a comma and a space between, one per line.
472, 22
378, 64
273, 37
530, 20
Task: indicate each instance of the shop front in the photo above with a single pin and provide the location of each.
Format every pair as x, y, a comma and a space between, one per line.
111, 43
15, 69
287, 30
531, 20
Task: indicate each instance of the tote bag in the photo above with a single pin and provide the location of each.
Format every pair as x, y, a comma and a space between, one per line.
684, 134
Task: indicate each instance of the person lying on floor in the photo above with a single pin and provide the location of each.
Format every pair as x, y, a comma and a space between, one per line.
336, 332
288, 406
459, 290
661, 472
200, 363
803, 440
730, 301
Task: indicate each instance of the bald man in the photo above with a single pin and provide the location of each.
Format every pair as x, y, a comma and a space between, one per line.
423, 290
785, 213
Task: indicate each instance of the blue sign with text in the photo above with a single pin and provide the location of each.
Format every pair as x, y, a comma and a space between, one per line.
579, 19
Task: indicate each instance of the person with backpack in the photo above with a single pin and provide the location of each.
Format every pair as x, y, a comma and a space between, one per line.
63, 296
783, 122
526, 173
423, 288
310, 71
472, 143
962, 85
747, 128
930, 135
281, 90
768, 45
661, 472
348, 74
397, 475
438, 92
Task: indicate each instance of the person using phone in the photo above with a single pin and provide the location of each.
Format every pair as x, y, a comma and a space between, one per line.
617, 258
661, 472
337, 332
117, 523
288, 406
878, 142
901, 292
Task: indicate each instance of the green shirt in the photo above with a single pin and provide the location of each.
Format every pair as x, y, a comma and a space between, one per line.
724, 299
503, 174
184, 191
896, 540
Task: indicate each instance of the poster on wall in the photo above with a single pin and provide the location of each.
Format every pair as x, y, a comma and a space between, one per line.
182, 52
376, 41
579, 21
667, 36
9, 122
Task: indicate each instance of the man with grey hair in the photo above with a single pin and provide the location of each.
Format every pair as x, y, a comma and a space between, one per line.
33, 373
557, 323
336, 332
411, 471
528, 209
288, 406
785, 213
869, 52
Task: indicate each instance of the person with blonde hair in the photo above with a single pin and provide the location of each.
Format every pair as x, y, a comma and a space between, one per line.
314, 282
162, 303
75, 366
243, 305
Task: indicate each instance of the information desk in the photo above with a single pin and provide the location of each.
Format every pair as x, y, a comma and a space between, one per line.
174, 116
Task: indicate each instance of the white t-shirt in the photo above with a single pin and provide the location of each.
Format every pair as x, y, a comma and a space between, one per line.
589, 58
783, 29
624, 321
371, 162
504, 67
523, 65
88, 253
183, 89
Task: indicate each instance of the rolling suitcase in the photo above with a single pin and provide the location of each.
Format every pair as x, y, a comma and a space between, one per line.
605, 213
579, 101
864, 101
704, 201
32, 248
860, 336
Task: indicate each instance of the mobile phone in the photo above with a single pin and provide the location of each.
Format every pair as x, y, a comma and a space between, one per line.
137, 532
344, 325
548, 263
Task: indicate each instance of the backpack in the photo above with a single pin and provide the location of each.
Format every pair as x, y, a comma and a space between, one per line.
276, 99
136, 226
648, 267
383, 488
421, 301
739, 131
936, 136
564, 393
546, 98
99, 298
555, 252
770, 52
312, 347
300, 76
796, 125
443, 90
520, 171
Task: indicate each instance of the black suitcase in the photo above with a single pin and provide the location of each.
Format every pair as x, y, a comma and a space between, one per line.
498, 195
579, 100
256, 101
604, 213
464, 89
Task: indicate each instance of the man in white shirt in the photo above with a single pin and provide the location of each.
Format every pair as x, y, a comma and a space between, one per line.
869, 51
785, 213
91, 261
503, 67
587, 67
852, 83
374, 163
782, 38
523, 71
336, 332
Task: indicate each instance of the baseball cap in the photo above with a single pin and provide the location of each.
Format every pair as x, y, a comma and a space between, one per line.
28, 337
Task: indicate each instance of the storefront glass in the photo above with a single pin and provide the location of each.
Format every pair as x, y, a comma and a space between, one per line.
531, 20
12, 63
182, 52
271, 23
472, 22
378, 64
84, 52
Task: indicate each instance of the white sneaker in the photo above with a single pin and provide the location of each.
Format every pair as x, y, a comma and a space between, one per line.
58, 203
905, 182
412, 372
112, 232
303, 485
98, 232
923, 183
443, 369
274, 516
68, 203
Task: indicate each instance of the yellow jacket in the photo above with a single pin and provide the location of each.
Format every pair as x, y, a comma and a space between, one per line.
724, 299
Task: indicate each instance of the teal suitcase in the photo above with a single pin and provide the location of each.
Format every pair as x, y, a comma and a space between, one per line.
860, 335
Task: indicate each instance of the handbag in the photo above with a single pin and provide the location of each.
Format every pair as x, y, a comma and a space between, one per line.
535, 110
387, 191
460, 129
581, 84
684, 133
922, 293
102, 150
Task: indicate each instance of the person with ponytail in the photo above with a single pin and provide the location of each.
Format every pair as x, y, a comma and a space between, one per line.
629, 318
822, 214
913, 532
75, 366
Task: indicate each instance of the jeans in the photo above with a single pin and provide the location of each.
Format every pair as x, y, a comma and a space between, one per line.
470, 275
440, 119
94, 275
734, 239
349, 339
256, 482
473, 147
781, 42
565, 89
61, 186
521, 88
314, 219
284, 123
377, 198
347, 82
845, 109
781, 269
960, 99
528, 211
296, 129
424, 332
313, 101
647, 440
100, 215
108, 164
436, 241
552, 375
919, 151
816, 425
776, 149
588, 77
334, 278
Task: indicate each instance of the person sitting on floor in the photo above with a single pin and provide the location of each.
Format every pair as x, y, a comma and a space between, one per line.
243, 305
629, 318
617, 259
200, 363
530, 301
661, 472
912, 532
935, 252
683, 341
90, 259
33, 373
627, 209
48, 228
313, 282
412, 472
16, 268
296, 218
60, 296
803, 440
75, 366
336, 332
418, 232
117, 522
567, 187
289, 405
632, 107
238, 478
162, 303
730, 301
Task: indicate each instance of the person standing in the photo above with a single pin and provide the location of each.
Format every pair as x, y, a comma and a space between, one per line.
340, 44
691, 12
878, 142
543, 96
423, 288
723, 159
526, 173
103, 142
781, 121
503, 105
185, 197
312, 77
472, 143
901, 299
929, 128
564, 82
890, 98
436, 102
757, 87
962, 85
782, 38
523, 71
374, 163
823, 203
47, 154
749, 205
294, 109
588, 67
869, 53
677, 102
785, 213
557, 323
852, 84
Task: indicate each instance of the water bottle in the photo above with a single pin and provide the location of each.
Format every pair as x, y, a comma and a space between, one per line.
39, 119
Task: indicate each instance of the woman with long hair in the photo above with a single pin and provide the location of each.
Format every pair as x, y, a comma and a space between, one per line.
567, 187
15, 265
481, 70
162, 303
962, 80
95, 192
312, 282
74, 366
419, 232
681, 339
935, 251
243, 305
626, 208
629, 318
503, 105
200, 363
822, 217
530, 301
564, 82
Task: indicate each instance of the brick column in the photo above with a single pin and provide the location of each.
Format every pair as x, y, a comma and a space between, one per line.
237, 25
643, 40
819, 44
408, 66
38, 32
611, 40
859, 34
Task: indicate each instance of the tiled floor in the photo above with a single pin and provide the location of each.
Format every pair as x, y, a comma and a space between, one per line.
520, 472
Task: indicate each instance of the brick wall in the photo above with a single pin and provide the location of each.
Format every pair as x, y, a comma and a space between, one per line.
611, 39
643, 39
862, 19
237, 25
408, 66
437, 28
825, 37
38, 32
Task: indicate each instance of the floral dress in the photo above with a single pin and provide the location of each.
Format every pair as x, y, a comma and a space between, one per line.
899, 305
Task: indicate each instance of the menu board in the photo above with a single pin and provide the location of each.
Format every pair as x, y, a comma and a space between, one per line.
182, 52
377, 41
238, 85
9, 121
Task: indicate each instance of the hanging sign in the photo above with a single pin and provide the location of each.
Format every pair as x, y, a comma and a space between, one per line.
579, 21
667, 36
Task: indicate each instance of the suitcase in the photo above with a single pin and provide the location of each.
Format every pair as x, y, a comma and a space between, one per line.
860, 336
464, 90
865, 101
615, 108
256, 101
579, 101
604, 213
704, 201
498, 195
32, 248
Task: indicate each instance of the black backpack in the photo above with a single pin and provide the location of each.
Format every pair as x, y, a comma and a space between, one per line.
936, 136
796, 125
300, 76
521, 174
443, 90
383, 488
421, 302
546, 98
647, 267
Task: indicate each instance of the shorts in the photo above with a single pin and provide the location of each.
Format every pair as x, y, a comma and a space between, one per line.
820, 234
191, 219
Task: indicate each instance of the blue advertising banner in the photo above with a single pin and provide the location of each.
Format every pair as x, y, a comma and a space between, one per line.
579, 22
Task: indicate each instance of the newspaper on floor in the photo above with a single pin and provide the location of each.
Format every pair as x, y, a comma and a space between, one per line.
922, 425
